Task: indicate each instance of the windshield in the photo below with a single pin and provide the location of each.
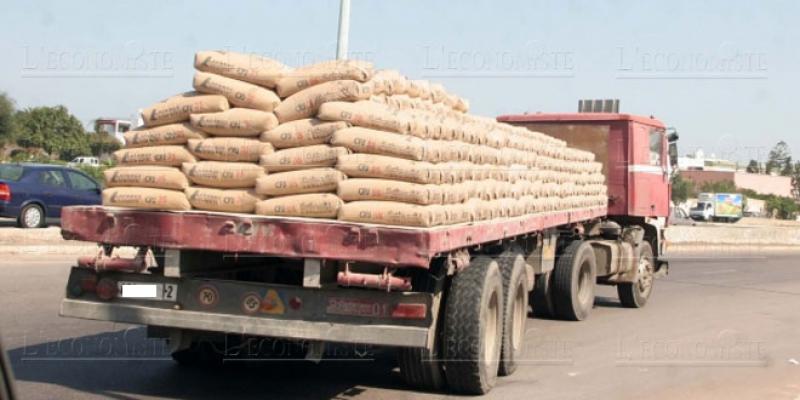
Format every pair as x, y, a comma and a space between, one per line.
11, 172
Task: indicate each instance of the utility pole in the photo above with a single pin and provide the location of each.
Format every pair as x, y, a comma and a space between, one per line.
344, 30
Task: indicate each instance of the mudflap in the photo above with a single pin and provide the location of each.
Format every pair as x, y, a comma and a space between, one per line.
662, 269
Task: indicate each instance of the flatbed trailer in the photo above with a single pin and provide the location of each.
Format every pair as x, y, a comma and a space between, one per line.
452, 300
300, 237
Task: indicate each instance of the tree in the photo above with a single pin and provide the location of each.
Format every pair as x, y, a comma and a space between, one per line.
788, 167
779, 157
681, 189
719, 187
754, 167
796, 181
53, 129
783, 207
6, 118
101, 143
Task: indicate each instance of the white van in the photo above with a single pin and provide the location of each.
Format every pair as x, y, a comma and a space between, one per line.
89, 161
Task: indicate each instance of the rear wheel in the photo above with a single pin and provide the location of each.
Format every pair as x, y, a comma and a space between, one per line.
542, 297
636, 294
421, 368
515, 308
473, 327
574, 279
32, 216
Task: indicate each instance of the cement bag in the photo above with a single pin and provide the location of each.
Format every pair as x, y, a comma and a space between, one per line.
306, 103
458, 213
388, 82
303, 132
229, 149
383, 167
146, 176
389, 213
225, 200
238, 93
315, 180
302, 158
251, 68
242, 122
316, 205
438, 214
363, 140
365, 114
315, 74
162, 135
171, 156
387, 190
178, 108
228, 175
146, 198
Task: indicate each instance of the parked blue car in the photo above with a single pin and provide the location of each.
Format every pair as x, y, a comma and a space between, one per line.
34, 193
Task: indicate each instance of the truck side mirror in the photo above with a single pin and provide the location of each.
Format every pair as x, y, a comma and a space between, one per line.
673, 154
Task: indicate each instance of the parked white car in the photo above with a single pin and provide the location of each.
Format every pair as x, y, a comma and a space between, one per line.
89, 161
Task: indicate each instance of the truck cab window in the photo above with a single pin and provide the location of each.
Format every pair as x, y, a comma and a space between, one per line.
656, 148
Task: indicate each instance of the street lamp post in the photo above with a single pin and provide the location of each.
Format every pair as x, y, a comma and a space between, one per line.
344, 30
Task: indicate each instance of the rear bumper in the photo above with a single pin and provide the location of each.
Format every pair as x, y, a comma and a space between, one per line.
379, 335
8, 211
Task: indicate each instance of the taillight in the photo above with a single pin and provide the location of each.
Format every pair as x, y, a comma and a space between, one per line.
5, 192
106, 289
410, 311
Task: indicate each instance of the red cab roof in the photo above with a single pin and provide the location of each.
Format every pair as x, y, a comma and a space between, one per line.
579, 117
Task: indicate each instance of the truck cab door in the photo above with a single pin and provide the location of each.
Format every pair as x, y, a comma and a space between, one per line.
649, 172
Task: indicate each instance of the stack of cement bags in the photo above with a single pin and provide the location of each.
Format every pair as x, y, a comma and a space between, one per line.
148, 174
338, 139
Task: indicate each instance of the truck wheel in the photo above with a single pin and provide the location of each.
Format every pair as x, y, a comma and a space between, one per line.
421, 369
32, 216
635, 294
473, 327
515, 308
542, 296
574, 279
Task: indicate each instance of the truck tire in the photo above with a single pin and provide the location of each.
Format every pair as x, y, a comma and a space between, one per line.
636, 294
515, 308
574, 279
542, 297
473, 326
421, 369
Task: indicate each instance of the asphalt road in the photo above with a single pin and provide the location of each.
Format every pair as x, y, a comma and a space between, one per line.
717, 328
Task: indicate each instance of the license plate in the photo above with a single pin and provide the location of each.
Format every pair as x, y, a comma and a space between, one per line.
148, 291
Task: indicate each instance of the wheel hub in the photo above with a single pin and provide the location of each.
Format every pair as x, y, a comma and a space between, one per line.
32, 218
645, 281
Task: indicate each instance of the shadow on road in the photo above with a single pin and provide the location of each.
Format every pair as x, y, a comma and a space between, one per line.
125, 364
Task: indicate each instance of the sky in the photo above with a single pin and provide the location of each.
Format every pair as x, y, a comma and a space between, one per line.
723, 73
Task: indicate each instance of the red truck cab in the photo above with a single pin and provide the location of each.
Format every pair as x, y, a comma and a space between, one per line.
637, 153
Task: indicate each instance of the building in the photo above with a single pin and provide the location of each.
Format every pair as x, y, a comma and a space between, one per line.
701, 170
762, 184
699, 162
